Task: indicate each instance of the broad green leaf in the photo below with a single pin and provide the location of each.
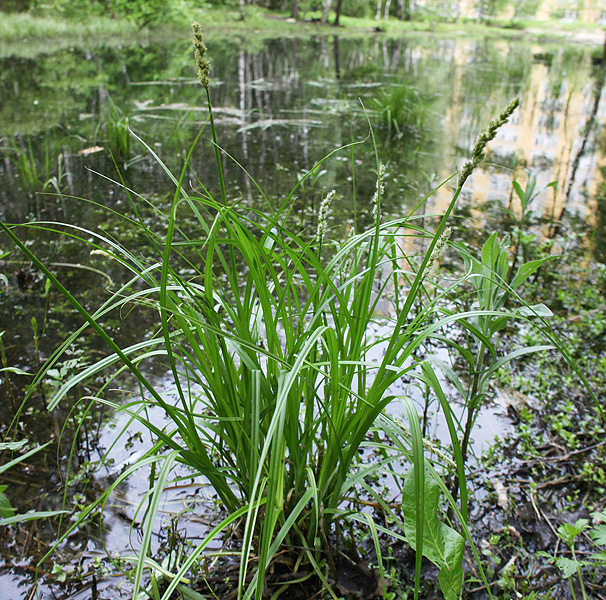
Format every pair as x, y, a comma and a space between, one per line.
451, 575
567, 566
502, 265
569, 532
599, 516
528, 269
518, 189
536, 310
490, 250
498, 324
442, 545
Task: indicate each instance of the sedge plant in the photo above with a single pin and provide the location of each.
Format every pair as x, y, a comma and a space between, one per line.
266, 336
37, 176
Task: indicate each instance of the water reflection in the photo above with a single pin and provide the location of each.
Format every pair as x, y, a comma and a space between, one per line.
553, 136
284, 105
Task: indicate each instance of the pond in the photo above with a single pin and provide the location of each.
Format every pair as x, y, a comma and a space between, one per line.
281, 106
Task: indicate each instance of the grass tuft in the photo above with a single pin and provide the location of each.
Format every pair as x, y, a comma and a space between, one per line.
269, 336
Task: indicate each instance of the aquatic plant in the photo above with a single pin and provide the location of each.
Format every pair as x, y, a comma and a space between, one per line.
526, 196
36, 177
117, 133
401, 111
489, 279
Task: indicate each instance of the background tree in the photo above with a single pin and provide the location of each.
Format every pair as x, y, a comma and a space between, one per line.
338, 9
325, 11
405, 10
523, 9
487, 9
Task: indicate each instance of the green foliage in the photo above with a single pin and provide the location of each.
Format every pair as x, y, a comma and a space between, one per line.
145, 12
568, 533
9, 6
6, 510
401, 110
442, 545
37, 175
488, 9
276, 394
526, 197
488, 275
524, 9
141, 12
72, 8
117, 133
267, 335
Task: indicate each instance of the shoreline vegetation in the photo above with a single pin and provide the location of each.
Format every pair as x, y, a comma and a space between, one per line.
263, 341
34, 25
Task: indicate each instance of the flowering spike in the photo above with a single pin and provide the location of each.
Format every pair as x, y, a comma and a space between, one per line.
483, 139
199, 52
437, 251
379, 191
323, 213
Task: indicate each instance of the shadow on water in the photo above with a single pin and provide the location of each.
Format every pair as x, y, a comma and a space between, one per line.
281, 105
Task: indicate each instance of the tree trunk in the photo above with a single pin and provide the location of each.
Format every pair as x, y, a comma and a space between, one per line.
401, 10
294, 13
387, 7
338, 12
336, 54
325, 11
405, 10
378, 14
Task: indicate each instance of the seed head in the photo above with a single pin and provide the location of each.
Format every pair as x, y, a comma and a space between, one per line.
349, 260
379, 191
199, 52
437, 251
323, 213
486, 136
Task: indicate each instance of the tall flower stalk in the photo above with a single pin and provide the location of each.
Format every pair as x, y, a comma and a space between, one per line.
204, 76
